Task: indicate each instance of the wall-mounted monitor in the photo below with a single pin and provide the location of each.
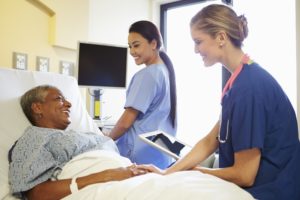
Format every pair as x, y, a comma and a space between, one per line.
101, 65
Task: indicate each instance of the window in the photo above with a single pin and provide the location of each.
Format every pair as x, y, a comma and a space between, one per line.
198, 88
272, 39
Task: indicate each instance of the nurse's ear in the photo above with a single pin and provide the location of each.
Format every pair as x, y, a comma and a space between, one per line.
153, 44
221, 38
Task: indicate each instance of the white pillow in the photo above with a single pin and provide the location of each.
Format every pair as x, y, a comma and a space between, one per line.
13, 83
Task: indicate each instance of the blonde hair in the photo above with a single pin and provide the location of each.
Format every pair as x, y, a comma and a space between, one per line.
216, 17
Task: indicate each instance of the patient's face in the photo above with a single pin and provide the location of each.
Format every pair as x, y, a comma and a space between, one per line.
55, 110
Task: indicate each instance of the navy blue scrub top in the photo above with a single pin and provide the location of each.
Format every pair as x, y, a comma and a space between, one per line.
256, 113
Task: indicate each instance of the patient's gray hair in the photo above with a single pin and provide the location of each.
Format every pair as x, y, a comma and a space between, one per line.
34, 95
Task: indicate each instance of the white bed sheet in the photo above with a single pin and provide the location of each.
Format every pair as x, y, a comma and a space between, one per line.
188, 185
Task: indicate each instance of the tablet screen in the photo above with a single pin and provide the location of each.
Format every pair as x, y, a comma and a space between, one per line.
166, 143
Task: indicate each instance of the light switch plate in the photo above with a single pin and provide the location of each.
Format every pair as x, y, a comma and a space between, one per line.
42, 64
20, 60
66, 67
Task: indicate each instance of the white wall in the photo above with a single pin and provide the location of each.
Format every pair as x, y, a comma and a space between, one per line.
109, 24
28, 27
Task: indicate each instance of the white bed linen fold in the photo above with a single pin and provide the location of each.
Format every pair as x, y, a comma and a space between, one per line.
187, 185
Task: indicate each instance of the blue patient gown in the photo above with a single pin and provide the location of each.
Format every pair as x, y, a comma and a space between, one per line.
41, 153
256, 113
149, 93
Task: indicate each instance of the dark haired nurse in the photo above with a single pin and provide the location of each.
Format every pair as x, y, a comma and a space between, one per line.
150, 98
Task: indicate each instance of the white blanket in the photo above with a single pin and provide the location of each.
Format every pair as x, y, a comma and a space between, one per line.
187, 185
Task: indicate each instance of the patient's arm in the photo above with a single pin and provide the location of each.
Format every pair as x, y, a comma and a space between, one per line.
124, 123
61, 188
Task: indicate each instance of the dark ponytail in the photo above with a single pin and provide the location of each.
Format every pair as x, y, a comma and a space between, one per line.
172, 81
150, 32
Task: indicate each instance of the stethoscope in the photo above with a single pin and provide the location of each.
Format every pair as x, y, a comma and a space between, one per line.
223, 141
245, 60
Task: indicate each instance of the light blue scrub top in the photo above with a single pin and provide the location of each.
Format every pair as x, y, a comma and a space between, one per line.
149, 93
260, 115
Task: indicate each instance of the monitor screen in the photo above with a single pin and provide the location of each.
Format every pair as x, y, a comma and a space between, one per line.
101, 65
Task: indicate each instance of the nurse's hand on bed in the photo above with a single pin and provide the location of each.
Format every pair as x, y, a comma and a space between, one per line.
151, 168
136, 171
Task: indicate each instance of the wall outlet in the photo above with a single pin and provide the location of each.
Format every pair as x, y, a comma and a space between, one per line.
66, 68
20, 60
42, 64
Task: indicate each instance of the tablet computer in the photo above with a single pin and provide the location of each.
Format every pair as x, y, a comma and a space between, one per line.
166, 143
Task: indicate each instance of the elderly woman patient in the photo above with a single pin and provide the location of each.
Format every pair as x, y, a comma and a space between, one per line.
45, 147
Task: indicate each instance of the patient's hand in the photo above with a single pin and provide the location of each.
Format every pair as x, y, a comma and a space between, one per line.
136, 171
151, 168
116, 174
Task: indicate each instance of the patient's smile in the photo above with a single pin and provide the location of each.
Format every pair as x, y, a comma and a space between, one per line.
67, 112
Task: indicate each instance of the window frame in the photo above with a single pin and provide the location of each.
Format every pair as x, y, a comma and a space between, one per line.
163, 25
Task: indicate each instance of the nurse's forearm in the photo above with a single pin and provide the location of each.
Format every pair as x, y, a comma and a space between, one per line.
204, 148
124, 123
229, 174
117, 131
243, 171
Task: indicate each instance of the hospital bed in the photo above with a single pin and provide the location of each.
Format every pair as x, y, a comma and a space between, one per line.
186, 185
